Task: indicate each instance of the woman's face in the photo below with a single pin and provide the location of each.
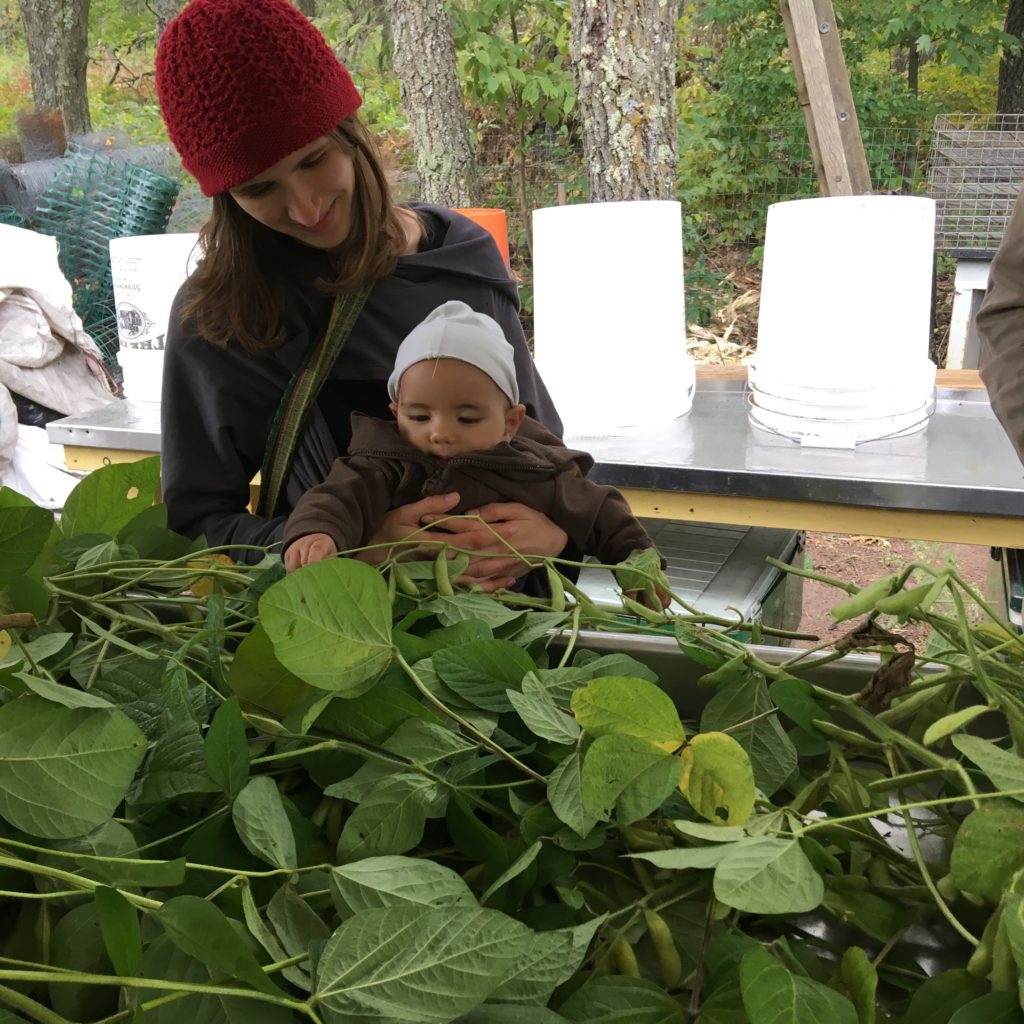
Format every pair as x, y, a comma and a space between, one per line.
308, 195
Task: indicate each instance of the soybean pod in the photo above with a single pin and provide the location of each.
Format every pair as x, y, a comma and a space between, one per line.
624, 958
557, 588
441, 578
903, 602
863, 601
670, 963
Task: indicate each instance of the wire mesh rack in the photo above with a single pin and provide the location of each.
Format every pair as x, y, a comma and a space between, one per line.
90, 200
975, 167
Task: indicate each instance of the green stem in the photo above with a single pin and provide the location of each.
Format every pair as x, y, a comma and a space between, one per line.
926, 875
36, 1011
83, 884
879, 812
466, 726
187, 987
574, 633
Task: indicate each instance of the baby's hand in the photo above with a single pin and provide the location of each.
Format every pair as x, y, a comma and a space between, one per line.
314, 547
634, 576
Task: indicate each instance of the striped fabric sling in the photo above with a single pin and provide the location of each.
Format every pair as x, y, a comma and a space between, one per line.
299, 396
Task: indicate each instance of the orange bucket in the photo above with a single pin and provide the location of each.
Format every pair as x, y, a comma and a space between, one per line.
493, 220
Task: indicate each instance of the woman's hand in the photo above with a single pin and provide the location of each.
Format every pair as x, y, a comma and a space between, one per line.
525, 529
402, 522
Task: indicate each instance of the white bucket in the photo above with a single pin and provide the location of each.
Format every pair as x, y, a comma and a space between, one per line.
609, 314
845, 319
147, 271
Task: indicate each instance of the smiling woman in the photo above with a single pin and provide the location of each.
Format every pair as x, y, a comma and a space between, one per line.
312, 277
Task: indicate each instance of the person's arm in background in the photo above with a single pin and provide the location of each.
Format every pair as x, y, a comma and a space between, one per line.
1001, 331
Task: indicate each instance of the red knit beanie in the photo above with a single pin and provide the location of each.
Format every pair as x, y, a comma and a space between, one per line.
243, 83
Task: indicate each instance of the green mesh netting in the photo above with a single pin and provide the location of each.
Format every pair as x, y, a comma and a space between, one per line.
91, 200
9, 215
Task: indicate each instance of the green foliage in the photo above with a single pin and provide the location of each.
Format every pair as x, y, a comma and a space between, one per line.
515, 59
259, 798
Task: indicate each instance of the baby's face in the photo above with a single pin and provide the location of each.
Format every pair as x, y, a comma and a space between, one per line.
447, 407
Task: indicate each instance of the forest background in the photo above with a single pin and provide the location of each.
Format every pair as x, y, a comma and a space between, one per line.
740, 135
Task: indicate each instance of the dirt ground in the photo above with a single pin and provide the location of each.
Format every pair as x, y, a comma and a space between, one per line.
861, 560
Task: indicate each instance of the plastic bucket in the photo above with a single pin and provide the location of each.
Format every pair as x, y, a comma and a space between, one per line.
493, 219
147, 271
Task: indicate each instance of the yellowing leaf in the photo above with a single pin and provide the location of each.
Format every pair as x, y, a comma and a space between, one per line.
626, 706
202, 586
718, 780
5, 643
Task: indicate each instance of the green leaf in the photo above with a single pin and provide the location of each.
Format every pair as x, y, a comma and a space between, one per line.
617, 1000
24, 531
463, 607
539, 969
768, 876
772, 754
1005, 770
542, 717
684, 858
390, 820
134, 685
482, 672
988, 848
226, 750
718, 780
957, 720
628, 707
860, 979
68, 696
565, 794
497, 1013
201, 930
428, 745
627, 774
938, 998
119, 924
262, 823
771, 995
378, 882
331, 625
516, 868
175, 766
994, 1008
709, 831
257, 677
295, 922
76, 944
416, 965
111, 497
63, 771
124, 873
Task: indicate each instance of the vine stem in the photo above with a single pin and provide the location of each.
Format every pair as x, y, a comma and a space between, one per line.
187, 987
880, 812
83, 884
30, 1007
926, 875
463, 724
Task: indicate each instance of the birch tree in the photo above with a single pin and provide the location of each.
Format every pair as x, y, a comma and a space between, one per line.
56, 34
624, 64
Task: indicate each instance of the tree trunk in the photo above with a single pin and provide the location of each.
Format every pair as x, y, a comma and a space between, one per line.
165, 11
624, 64
1011, 66
424, 62
56, 34
308, 7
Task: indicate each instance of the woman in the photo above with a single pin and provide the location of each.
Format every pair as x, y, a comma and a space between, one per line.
264, 116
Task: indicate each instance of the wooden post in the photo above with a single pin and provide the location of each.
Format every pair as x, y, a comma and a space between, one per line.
823, 90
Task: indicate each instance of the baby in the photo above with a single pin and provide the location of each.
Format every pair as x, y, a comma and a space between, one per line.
458, 427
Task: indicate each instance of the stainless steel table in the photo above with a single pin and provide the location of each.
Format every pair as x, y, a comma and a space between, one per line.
959, 480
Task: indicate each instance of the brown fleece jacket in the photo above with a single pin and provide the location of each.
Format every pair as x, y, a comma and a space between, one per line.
1001, 331
384, 471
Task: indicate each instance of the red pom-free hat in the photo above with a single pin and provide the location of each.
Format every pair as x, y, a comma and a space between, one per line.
243, 83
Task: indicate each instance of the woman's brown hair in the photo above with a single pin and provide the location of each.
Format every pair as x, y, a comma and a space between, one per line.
238, 291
